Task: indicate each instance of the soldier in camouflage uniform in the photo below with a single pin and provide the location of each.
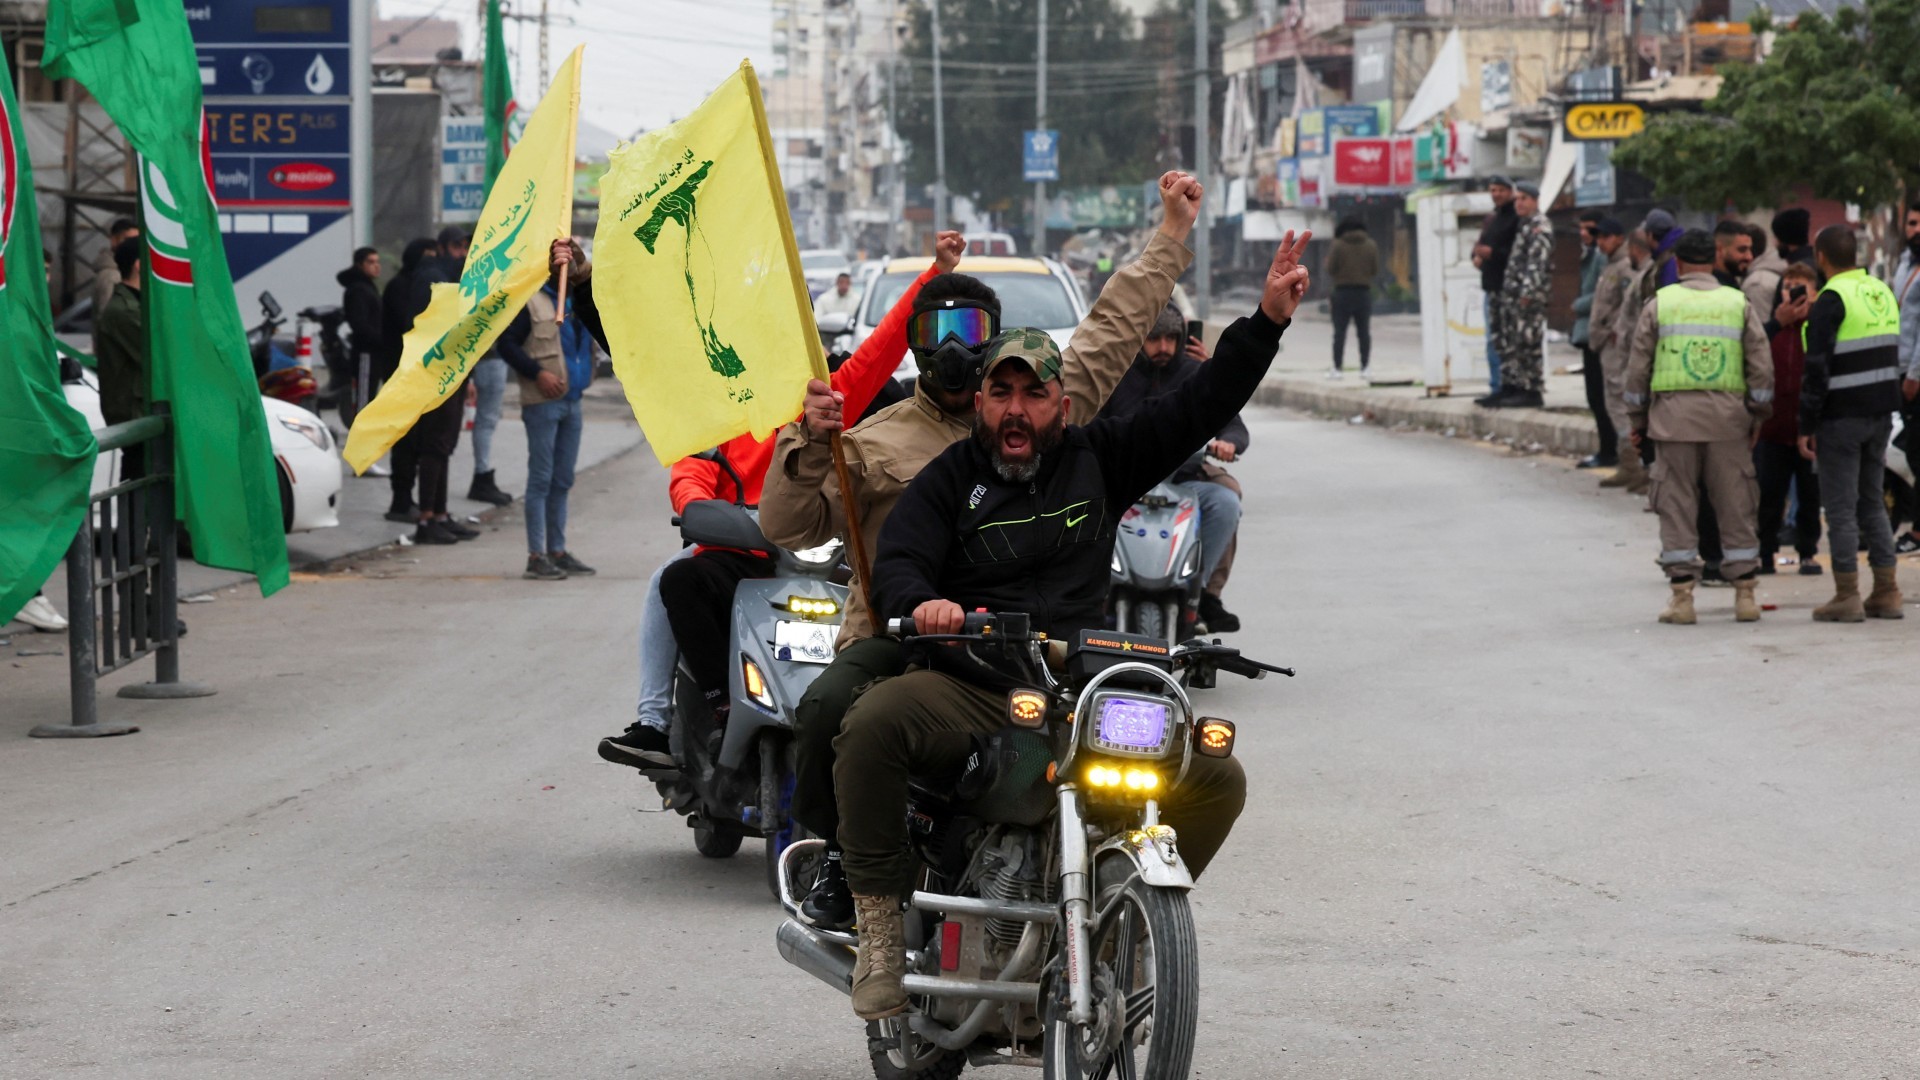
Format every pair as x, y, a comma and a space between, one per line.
1523, 305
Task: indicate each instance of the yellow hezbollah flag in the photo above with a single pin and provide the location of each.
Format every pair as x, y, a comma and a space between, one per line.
530, 206
713, 335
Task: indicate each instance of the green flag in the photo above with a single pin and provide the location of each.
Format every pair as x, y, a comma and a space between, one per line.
46, 449
503, 113
137, 58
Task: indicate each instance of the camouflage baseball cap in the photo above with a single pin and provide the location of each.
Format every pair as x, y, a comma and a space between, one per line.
1031, 347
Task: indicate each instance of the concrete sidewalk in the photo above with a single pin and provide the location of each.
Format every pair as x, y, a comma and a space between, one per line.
1299, 380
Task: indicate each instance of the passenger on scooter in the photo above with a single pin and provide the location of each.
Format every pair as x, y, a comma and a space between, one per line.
689, 603
804, 502
1167, 361
1021, 517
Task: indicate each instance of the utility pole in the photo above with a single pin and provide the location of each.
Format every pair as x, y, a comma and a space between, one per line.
896, 182
1040, 124
939, 131
1203, 229
542, 89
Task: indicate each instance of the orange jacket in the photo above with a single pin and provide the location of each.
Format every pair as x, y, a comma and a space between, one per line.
860, 378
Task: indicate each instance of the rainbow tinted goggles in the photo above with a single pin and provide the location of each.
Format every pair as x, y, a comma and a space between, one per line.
968, 325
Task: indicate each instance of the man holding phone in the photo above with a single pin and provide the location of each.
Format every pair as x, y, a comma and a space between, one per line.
1776, 457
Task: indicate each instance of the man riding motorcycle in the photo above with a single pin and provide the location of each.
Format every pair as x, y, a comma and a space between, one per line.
1160, 370
802, 507
1021, 517
690, 598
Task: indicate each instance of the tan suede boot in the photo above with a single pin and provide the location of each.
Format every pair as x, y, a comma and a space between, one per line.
882, 961
1845, 605
1680, 605
1885, 599
1628, 474
1745, 607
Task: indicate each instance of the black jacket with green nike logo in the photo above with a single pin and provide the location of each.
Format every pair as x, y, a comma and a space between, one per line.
1044, 546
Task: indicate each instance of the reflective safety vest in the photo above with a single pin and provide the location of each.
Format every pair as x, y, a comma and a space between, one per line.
1700, 340
1865, 364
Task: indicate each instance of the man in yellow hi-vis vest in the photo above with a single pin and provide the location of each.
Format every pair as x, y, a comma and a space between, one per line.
1847, 400
1699, 382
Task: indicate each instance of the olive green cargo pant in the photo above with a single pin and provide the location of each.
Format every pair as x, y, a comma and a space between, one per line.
922, 724
816, 723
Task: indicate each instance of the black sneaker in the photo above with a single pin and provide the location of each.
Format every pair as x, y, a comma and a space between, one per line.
1215, 614
1809, 568
483, 489
433, 532
1596, 461
541, 568
456, 529
640, 746
1907, 544
408, 513
1521, 399
830, 905
571, 565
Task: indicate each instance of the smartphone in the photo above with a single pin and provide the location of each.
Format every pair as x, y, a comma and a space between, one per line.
1797, 293
1193, 330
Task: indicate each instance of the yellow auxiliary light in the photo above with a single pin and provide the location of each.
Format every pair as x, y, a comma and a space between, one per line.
756, 683
1027, 708
809, 608
1142, 780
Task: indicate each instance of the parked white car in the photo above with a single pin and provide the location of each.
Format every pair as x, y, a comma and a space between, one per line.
821, 266
1033, 292
304, 454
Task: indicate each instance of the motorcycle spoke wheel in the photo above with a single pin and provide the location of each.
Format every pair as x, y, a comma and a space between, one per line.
896, 1053
1146, 984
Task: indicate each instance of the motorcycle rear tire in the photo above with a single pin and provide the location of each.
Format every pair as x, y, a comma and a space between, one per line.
929, 1063
1167, 916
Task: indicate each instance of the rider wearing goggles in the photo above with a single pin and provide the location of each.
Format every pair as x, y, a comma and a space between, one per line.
949, 342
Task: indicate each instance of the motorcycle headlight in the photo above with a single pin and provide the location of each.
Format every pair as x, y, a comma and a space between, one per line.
310, 426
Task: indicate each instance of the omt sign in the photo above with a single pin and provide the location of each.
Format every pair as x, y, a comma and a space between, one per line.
1592, 120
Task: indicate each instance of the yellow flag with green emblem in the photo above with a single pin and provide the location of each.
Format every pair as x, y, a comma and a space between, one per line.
713, 335
529, 207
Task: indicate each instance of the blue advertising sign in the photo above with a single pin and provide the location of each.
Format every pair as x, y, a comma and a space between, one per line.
280, 155
255, 239
463, 167
1361, 120
273, 70
1040, 157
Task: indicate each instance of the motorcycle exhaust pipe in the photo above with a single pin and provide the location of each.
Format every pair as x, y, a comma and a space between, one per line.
830, 963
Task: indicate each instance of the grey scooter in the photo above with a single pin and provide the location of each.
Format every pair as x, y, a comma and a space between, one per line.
736, 781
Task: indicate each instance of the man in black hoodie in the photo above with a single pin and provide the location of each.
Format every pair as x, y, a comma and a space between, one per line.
439, 430
396, 318
360, 305
1020, 517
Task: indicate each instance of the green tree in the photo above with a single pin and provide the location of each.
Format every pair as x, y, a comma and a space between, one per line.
1102, 91
1836, 106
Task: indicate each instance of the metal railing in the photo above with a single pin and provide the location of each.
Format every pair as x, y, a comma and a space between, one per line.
122, 581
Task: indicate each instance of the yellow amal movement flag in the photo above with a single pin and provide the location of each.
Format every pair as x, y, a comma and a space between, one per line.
713, 336
530, 206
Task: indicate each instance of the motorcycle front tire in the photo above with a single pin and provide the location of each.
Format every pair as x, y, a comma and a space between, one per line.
1171, 1001
924, 1061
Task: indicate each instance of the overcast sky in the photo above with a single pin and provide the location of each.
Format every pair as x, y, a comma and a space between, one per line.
648, 62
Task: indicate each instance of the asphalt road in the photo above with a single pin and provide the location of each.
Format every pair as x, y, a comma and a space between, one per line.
1503, 824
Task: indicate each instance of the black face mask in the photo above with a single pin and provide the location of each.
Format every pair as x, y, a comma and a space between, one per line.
952, 367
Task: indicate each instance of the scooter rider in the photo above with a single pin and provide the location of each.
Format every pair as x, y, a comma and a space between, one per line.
1160, 370
802, 505
1021, 517
690, 597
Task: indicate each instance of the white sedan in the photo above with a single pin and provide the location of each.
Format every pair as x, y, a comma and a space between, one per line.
1032, 292
304, 455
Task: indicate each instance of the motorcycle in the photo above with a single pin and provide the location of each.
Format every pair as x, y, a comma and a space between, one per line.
280, 375
734, 781
327, 322
1054, 928
1156, 564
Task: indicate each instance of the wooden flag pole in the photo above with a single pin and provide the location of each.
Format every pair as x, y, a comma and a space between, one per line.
560, 304
856, 540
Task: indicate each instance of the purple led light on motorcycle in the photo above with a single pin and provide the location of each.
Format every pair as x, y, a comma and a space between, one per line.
971, 326
1133, 723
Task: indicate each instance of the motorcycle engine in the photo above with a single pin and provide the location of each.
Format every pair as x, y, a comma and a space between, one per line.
1013, 869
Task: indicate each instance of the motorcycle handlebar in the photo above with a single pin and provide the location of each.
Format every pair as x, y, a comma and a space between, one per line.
974, 624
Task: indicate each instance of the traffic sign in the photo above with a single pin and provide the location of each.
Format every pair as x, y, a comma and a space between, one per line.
1040, 159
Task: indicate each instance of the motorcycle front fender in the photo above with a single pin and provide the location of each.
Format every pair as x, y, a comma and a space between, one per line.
1154, 854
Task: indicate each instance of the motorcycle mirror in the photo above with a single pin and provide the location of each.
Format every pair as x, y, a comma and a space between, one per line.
269, 305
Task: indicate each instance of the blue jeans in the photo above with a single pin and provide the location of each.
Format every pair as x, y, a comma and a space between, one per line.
1493, 354
553, 446
657, 650
490, 383
1219, 517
